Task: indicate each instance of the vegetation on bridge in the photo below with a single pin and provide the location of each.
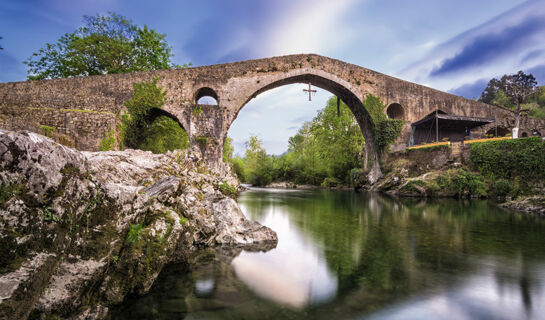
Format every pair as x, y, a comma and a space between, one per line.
142, 129
385, 131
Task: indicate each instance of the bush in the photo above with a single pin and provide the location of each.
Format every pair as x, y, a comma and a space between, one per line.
47, 130
330, 182
413, 187
385, 131
164, 134
462, 183
108, 142
502, 187
227, 189
143, 129
135, 233
507, 159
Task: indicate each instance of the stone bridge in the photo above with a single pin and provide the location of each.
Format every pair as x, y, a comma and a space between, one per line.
84, 109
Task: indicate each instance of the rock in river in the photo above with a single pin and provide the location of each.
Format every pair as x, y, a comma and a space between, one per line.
81, 230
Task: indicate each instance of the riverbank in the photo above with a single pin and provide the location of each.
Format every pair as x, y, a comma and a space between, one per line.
512, 169
79, 231
292, 185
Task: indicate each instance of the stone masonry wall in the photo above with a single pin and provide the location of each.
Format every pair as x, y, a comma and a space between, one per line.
234, 85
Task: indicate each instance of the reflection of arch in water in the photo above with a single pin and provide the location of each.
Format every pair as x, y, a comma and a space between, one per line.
395, 111
502, 132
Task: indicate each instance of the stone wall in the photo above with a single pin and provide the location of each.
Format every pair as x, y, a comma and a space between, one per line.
81, 129
234, 85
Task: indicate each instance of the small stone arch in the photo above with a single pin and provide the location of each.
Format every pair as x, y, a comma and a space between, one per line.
206, 95
154, 113
524, 134
502, 132
395, 111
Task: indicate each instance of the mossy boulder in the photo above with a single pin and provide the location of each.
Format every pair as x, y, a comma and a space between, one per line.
68, 242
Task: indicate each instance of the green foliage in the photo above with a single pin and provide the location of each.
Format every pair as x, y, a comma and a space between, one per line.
183, 220
501, 99
142, 130
228, 150
519, 89
164, 134
7, 191
227, 189
196, 110
462, 183
412, 187
135, 233
329, 146
49, 215
385, 131
47, 130
330, 182
507, 159
388, 131
108, 142
502, 187
105, 44
202, 141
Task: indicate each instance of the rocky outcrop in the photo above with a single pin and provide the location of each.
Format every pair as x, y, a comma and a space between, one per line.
530, 205
81, 230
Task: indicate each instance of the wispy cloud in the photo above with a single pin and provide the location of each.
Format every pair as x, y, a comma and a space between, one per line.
487, 48
505, 44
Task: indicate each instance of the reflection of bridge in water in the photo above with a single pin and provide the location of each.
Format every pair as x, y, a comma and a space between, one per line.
366, 255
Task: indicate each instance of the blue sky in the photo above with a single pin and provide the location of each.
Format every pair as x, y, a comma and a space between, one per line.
454, 46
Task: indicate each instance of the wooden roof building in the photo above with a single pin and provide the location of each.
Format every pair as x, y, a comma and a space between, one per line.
439, 125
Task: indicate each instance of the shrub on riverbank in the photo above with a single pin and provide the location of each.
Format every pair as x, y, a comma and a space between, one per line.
508, 159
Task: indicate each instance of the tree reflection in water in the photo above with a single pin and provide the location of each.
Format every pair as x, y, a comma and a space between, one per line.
349, 255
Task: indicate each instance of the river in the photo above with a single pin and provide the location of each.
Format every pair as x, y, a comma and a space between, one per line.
347, 255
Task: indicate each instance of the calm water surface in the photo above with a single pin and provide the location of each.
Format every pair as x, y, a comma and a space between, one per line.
345, 255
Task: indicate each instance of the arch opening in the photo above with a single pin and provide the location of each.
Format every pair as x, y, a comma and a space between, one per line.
395, 111
345, 94
524, 135
155, 113
206, 96
501, 132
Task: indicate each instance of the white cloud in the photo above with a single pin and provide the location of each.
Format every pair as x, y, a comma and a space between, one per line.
272, 114
311, 27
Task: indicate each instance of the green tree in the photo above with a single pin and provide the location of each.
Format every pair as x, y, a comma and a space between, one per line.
105, 44
511, 91
258, 164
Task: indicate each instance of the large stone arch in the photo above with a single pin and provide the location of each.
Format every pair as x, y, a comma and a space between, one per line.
318, 78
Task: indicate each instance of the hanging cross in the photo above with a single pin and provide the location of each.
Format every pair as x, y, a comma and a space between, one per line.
310, 91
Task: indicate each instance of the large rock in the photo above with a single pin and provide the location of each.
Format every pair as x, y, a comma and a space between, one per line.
81, 230
530, 205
